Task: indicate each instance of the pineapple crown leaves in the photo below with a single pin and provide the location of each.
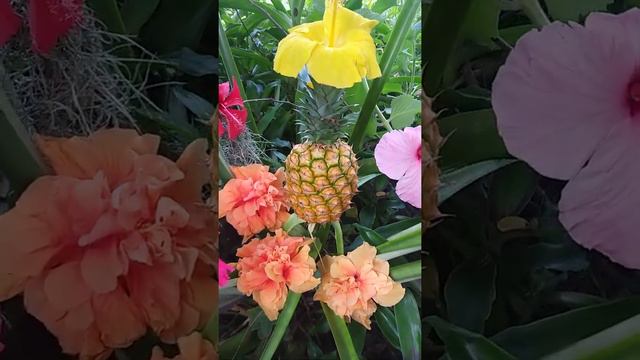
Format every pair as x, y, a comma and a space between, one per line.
322, 110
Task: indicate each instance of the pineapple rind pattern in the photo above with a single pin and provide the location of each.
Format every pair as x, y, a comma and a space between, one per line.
321, 180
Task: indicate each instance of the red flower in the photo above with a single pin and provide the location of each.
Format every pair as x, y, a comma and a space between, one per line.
231, 108
49, 20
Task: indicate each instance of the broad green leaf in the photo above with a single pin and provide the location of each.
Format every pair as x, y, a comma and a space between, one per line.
358, 334
364, 179
386, 321
353, 4
551, 334
177, 24
511, 189
197, 105
370, 236
620, 342
19, 158
108, 12
406, 272
512, 34
443, 30
238, 345
574, 10
406, 239
192, 63
404, 109
243, 54
481, 25
136, 13
391, 51
454, 181
381, 6
409, 326
463, 344
470, 137
469, 293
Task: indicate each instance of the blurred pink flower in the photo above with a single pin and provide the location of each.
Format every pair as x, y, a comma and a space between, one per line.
224, 270
399, 156
568, 102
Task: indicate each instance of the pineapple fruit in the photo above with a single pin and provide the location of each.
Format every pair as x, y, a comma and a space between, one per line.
431, 142
322, 172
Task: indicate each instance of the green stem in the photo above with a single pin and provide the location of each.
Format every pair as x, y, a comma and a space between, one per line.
391, 50
534, 12
232, 71
406, 272
296, 11
383, 119
281, 325
339, 239
341, 334
225, 170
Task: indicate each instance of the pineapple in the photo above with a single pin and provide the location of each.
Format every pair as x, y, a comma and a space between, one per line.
322, 172
430, 173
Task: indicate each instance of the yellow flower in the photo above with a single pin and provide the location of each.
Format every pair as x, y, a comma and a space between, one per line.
338, 51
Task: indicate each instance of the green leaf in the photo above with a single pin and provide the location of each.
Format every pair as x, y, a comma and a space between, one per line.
192, 63
19, 158
391, 51
469, 293
341, 335
620, 342
471, 137
481, 25
136, 13
279, 18
463, 344
386, 321
108, 12
404, 109
409, 327
574, 10
381, 6
364, 179
406, 239
177, 24
197, 105
512, 34
353, 4
281, 325
454, 181
443, 30
511, 189
406, 272
370, 236
551, 334
358, 334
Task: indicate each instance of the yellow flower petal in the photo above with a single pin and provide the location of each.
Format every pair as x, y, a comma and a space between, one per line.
337, 67
295, 49
339, 21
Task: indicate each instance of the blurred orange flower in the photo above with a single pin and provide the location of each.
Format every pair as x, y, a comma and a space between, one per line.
192, 347
268, 266
254, 200
350, 284
118, 240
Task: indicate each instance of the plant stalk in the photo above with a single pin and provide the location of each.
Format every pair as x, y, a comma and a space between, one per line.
534, 12
339, 239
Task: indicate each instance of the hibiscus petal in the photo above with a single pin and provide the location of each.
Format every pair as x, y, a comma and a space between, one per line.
50, 20
363, 256
234, 112
392, 297
599, 207
119, 320
9, 21
65, 288
553, 101
409, 188
101, 267
398, 151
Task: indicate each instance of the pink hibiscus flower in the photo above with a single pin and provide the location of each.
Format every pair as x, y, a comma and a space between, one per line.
224, 270
49, 20
399, 156
568, 102
231, 108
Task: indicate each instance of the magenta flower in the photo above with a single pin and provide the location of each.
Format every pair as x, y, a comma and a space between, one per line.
568, 103
399, 156
224, 270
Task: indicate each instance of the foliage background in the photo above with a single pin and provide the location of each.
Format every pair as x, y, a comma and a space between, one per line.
503, 279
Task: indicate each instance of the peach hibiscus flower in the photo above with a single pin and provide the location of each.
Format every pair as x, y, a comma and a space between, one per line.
118, 240
267, 267
192, 347
254, 200
352, 285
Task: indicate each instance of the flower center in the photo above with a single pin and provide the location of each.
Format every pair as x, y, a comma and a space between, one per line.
633, 95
